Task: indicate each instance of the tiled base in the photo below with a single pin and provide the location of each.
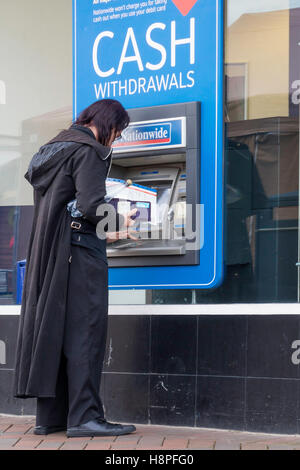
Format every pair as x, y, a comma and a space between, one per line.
10, 405
227, 372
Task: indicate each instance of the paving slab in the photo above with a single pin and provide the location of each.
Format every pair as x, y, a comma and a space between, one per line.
16, 433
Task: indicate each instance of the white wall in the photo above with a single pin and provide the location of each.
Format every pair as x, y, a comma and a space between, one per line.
35, 59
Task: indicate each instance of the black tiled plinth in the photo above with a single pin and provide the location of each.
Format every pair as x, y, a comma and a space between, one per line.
217, 371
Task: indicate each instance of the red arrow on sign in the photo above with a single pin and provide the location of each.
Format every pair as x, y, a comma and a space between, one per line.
184, 6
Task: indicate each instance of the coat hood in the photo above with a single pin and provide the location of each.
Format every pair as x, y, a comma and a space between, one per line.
48, 160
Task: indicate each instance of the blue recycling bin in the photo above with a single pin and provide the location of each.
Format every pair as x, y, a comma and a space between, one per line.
21, 267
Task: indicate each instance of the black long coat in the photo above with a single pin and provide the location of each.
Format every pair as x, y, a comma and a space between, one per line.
72, 165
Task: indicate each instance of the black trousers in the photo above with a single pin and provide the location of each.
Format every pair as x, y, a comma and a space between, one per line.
77, 398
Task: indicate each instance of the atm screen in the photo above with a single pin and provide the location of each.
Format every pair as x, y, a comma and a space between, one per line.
143, 210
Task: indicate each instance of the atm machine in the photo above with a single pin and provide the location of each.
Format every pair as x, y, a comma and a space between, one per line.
157, 165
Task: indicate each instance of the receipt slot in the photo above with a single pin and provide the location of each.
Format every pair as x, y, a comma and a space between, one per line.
159, 154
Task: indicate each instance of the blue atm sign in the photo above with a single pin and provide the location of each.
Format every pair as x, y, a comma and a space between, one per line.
152, 135
160, 52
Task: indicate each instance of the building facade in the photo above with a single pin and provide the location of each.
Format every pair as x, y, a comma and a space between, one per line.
223, 358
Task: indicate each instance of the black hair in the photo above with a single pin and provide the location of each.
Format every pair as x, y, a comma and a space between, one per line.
105, 115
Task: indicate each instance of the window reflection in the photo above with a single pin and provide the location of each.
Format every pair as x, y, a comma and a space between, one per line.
262, 81
35, 103
262, 74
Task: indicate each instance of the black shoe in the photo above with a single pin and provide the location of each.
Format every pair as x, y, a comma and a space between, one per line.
99, 427
44, 430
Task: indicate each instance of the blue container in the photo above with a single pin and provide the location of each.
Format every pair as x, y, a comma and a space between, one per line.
21, 267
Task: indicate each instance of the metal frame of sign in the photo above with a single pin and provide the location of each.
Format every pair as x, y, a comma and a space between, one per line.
192, 113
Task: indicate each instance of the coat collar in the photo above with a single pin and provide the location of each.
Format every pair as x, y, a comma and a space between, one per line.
76, 135
84, 129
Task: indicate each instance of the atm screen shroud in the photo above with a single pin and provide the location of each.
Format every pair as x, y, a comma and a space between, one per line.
175, 174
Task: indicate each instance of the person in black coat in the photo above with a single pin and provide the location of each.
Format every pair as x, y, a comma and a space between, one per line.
64, 310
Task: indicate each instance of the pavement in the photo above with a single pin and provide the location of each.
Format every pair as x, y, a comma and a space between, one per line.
16, 433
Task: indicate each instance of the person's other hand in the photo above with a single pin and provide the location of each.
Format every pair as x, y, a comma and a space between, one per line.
124, 234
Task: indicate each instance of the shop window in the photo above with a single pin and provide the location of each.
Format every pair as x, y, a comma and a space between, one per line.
262, 143
35, 103
262, 156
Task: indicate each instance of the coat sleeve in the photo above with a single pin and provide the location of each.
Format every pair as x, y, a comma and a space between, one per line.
89, 174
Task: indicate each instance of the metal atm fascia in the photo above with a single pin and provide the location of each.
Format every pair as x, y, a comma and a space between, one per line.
192, 114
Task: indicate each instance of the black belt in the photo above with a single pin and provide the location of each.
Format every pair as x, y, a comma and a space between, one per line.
88, 237
79, 224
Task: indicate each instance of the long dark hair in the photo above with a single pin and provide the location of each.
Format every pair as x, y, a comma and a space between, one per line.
105, 115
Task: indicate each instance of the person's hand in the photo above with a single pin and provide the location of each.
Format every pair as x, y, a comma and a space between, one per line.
128, 220
126, 233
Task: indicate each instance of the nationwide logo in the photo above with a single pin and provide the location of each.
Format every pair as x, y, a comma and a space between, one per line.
150, 134
184, 6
